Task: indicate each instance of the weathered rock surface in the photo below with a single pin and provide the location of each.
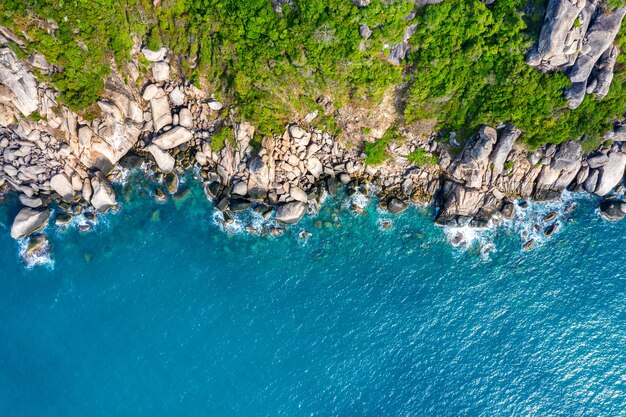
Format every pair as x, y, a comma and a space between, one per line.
173, 138
29, 221
20, 83
154, 56
577, 37
62, 186
290, 213
161, 113
103, 197
611, 173
164, 160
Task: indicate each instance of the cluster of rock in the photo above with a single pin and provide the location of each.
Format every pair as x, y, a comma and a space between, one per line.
577, 37
50, 154
482, 183
290, 172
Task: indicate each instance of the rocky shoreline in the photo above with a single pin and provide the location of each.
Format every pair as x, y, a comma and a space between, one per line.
49, 154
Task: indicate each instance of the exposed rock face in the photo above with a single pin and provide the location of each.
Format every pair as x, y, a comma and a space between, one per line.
62, 185
164, 160
19, 82
611, 173
478, 184
103, 197
175, 123
29, 221
577, 37
470, 168
173, 138
154, 56
161, 113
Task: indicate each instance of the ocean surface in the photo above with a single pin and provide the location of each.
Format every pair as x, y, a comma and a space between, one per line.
160, 312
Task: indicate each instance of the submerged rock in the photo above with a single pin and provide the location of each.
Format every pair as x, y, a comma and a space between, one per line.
396, 206
613, 209
36, 245
159, 195
63, 218
549, 231
550, 216
171, 182
529, 244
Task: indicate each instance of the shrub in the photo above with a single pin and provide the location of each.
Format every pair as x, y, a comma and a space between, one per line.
218, 141
420, 158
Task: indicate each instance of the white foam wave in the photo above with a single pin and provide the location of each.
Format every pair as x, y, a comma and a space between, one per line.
42, 257
529, 223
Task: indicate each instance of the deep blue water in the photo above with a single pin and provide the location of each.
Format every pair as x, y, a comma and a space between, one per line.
167, 315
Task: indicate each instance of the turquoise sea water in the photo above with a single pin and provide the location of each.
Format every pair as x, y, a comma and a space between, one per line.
167, 315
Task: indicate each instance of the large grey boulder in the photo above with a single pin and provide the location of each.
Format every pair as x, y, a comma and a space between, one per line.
577, 37
591, 181
32, 202
161, 113
29, 221
154, 56
470, 168
559, 19
598, 39
567, 155
290, 213
103, 197
298, 194
396, 206
62, 186
604, 76
611, 173
460, 205
173, 138
185, 118
365, 31
164, 160
259, 181
597, 160
160, 71
501, 151
20, 82
118, 130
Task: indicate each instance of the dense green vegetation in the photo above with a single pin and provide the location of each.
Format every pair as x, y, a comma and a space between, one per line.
218, 141
420, 158
376, 152
469, 69
466, 68
89, 34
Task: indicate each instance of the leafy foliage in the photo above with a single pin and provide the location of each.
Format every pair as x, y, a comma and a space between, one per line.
466, 67
376, 152
469, 70
218, 141
420, 158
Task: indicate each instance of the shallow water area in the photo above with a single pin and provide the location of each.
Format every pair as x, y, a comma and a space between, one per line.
158, 312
